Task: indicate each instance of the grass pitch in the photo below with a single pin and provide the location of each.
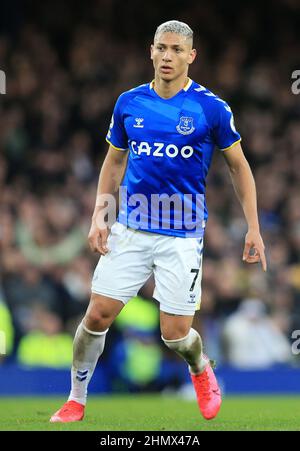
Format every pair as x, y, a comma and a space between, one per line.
154, 413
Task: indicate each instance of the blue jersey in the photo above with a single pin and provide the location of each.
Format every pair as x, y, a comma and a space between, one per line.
170, 143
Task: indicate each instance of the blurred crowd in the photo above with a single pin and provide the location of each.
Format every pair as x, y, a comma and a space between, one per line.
65, 67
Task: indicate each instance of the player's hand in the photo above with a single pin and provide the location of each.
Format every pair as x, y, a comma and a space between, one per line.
97, 238
254, 250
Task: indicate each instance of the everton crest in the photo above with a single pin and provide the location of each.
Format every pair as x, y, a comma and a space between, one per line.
185, 126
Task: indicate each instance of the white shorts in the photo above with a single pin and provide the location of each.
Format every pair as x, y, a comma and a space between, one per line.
134, 255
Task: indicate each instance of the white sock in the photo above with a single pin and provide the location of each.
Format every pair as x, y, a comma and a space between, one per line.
190, 348
87, 348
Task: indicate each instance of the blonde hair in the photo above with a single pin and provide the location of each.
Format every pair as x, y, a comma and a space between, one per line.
174, 26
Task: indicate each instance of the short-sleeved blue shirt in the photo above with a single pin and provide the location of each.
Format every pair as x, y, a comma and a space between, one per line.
171, 143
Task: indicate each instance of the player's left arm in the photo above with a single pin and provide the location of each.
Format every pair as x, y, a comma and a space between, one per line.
244, 186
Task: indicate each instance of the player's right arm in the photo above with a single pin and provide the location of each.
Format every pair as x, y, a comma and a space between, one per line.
110, 178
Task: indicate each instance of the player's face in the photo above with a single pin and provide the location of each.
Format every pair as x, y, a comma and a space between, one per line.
172, 54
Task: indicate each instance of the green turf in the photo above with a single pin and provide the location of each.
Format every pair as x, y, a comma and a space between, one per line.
154, 412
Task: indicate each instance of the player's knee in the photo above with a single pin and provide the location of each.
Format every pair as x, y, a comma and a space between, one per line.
174, 334
97, 320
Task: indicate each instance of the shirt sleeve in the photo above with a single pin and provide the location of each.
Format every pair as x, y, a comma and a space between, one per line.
224, 131
116, 135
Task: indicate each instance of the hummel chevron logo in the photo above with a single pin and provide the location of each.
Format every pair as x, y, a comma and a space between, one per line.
82, 375
139, 121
